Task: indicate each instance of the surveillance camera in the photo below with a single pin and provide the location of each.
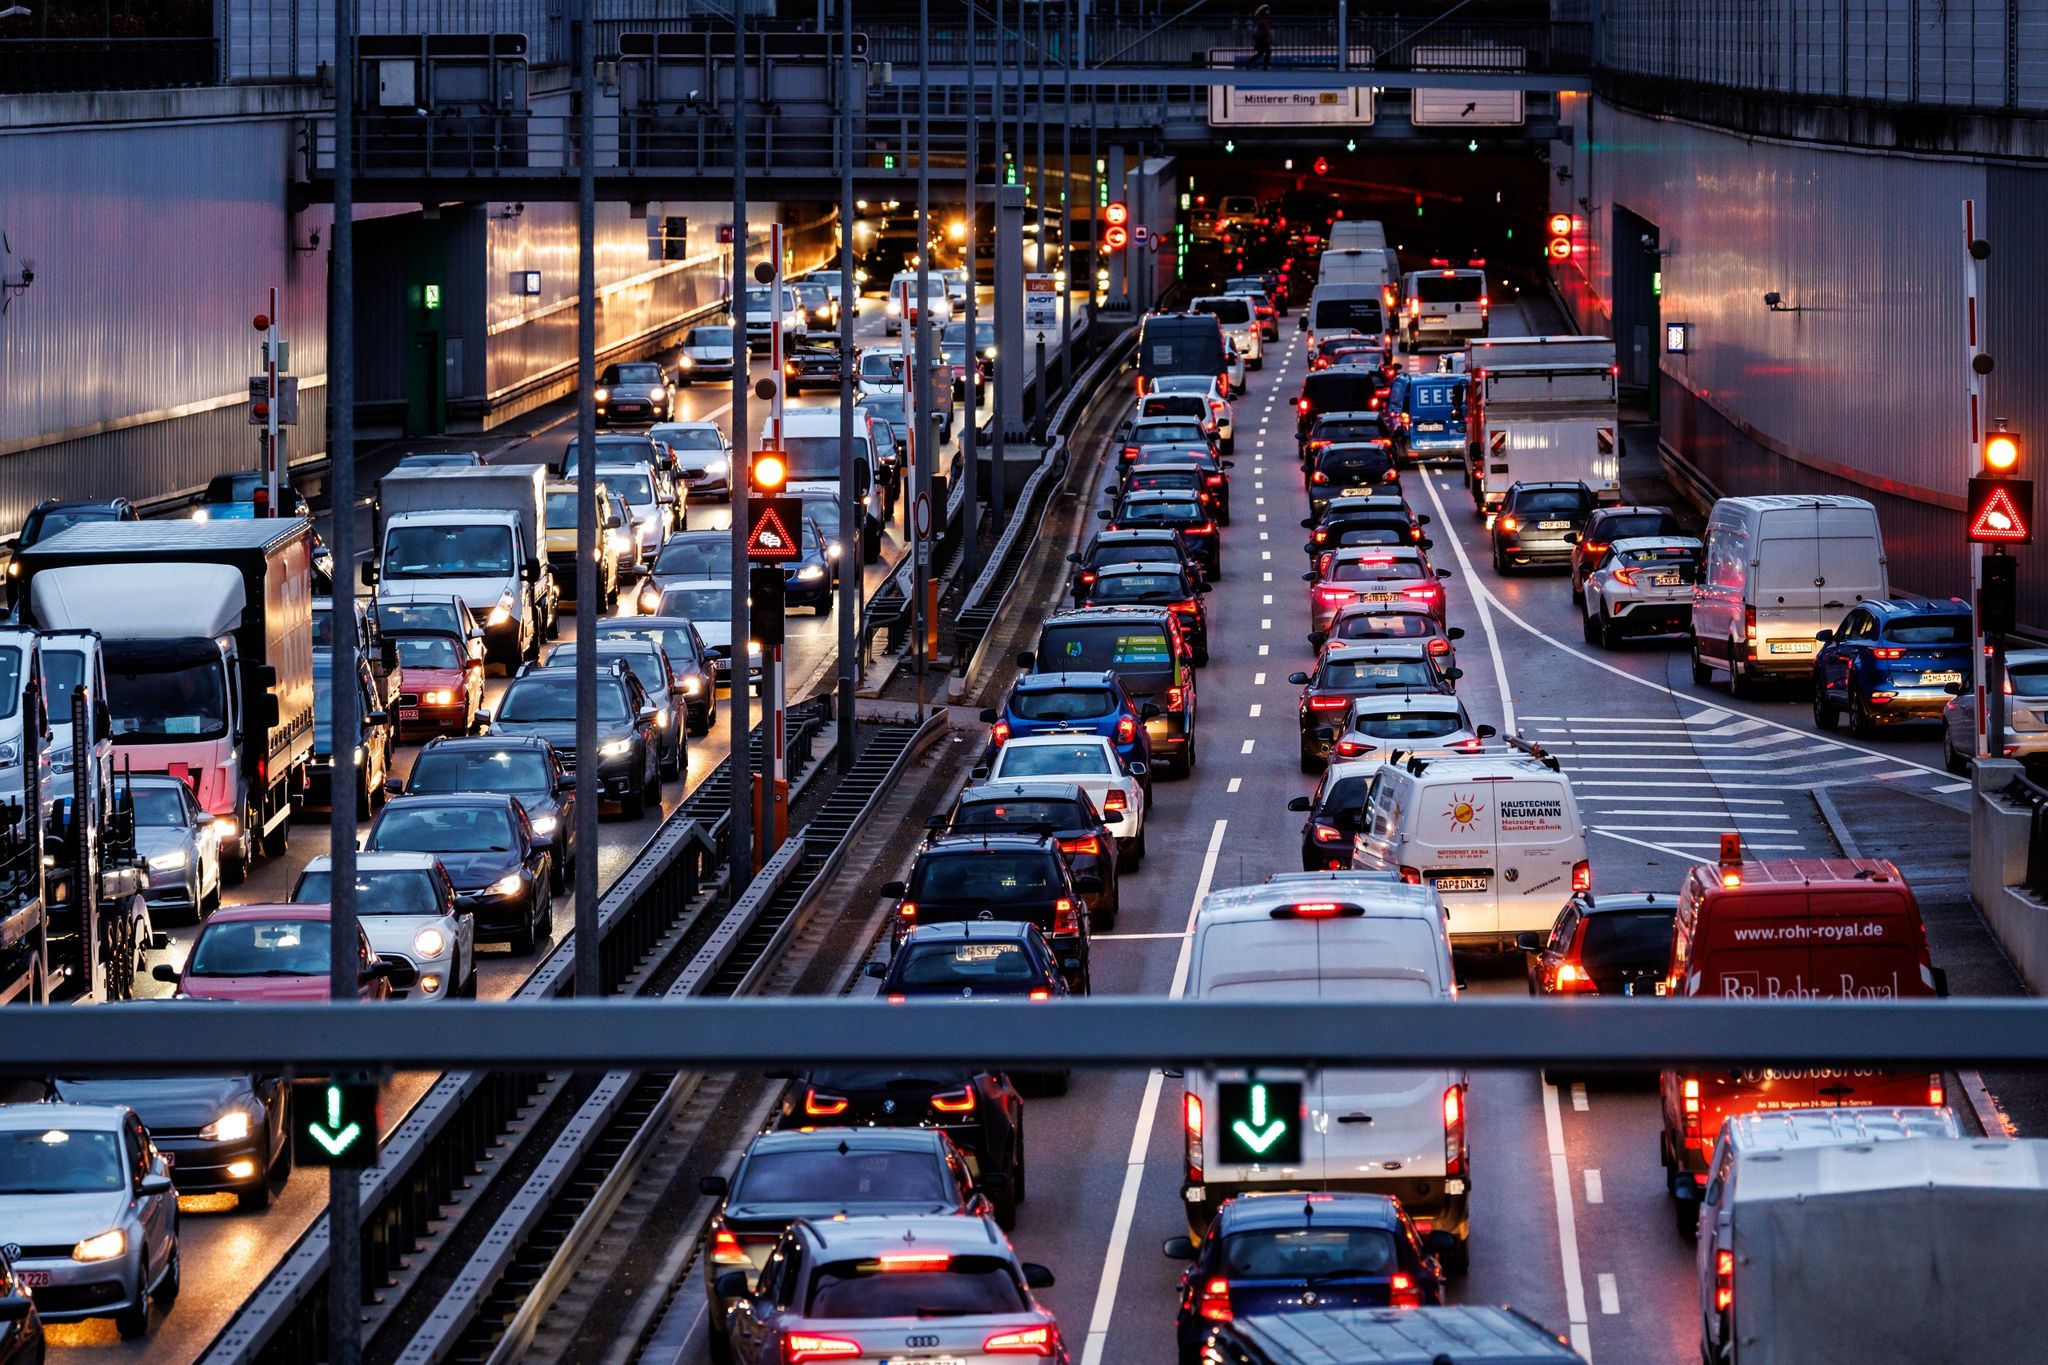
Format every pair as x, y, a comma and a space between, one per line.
1772, 299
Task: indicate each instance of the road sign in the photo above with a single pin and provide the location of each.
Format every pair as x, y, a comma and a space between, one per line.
2000, 512
725, 234
1140, 233
334, 1123
921, 516
772, 532
1259, 1122
1041, 301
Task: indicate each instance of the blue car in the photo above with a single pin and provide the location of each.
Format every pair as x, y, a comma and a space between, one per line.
1300, 1253
1089, 703
812, 579
1890, 662
1426, 415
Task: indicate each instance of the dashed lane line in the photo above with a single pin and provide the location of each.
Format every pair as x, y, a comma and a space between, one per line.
1247, 746
1567, 1225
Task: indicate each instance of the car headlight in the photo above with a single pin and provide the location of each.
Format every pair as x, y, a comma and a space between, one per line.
501, 613
105, 1247
430, 942
691, 687
650, 599
544, 824
440, 696
10, 753
716, 467
200, 514
232, 1126
511, 884
224, 827
60, 757
168, 862
754, 648
810, 573
656, 393
649, 524
688, 362
832, 550
895, 309
622, 542
603, 395
615, 748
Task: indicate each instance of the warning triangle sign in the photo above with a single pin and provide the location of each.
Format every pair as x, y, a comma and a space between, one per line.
2000, 511
770, 538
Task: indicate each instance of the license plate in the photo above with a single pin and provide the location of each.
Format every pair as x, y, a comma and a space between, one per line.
1553, 526
1939, 679
408, 713
923, 1360
1379, 597
170, 1158
1667, 580
1358, 490
1790, 647
1477, 883
1429, 426
34, 1279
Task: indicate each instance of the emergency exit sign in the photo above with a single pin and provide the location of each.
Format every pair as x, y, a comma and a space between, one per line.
1259, 1122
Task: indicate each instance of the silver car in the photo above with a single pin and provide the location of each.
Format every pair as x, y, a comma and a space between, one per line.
179, 844
703, 456
2026, 715
706, 355
1377, 726
1642, 586
90, 1217
408, 912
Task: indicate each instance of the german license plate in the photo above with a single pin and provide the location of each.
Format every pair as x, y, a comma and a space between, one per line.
170, 1158
1939, 679
408, 713
1357, 490
35, 1279
1553, 526
1462, 883
1791, 647
1429, 426
923, 1360
1667, 580
1379, 597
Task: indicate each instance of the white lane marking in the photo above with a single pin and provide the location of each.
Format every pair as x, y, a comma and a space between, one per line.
1567, 1223
1262, 535
1254, 716
1581, 1101
1258, 680
1480, 598
1265, 554
1259, 483
1262, 516
1595, 1192
1264, 650
1269, 600
1954, 787
1680, 829
1610, 1296
1235, 783
1247, 746
1141, 1136
1672, 849
1265, 623
1260, 501
1268, 578
1691, 801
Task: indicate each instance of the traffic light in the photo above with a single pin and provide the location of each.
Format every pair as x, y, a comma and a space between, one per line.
2002, 451
1322, 165
767, 473
765, 607
1998, 601
1116, 235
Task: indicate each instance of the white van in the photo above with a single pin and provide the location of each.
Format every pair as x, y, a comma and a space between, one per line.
1350, 233
1497, 835
1399, 1131
1444, 307
1240, 325
1341, 309
1779, 569
810, 442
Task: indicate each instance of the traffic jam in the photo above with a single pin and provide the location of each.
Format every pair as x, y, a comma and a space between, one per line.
1286, 734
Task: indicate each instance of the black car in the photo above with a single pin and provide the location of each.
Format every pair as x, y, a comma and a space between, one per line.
1332, 427
902, 1172
543, 704
1333, 813
812, 578
226, 1134
52, 515
1344, 673
1366, 526
375, 736
1062, 809
1300, 1253
1180, 512
1340, 388
504, 765
999, 876
648, 663
234, 495
1181, 476
1348, 467
1618, 944
1160, 546
21, 1327
1173, 586
1148, 650
1609, 524
977, 960
1539, 523
638, 391
501, 869
981, 1111
688, 660
812, 363
686, 555
1215, 471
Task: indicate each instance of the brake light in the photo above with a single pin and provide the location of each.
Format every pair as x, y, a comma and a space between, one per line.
1328, 834
1301, 404
1724, 1280
1689, 1092
1322, 536
1126, 729
1319, 477
1025, 1341
954, 1101
1887, 653
1217, 406
726, 1249
1749, 626
1191, 1115
1627, 576
1040, 993
1088, 577
1316, 909
1582, 875
1130, 452
1350, 748
1176, 698
824, 1106
1454, 1131
1510, 524
1214, 478
1333, 594
1328, 703
801, 1346
1439, 645
1572, 979
1113, 800
1212, 1304
1592, 547
1207, 528
1412, 876
1064, 921
1001, 733
1425, 593
1937, 1090
1405, 1294
1087, 843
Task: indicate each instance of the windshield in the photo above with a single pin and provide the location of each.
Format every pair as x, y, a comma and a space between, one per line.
1450, 288
635, 374
1098, 647
1347, 315
1354, 675
1068, 703
57, 1160
692, 438
628, 485
518, 771
968, 1286
448, 552
161, 696
1621, 939
396, 891
443, 829
640, 662
706, 607
878, 365
1048, 760
428, 651
815, 457
1308, 1253
1408, 724
418, 615
260, 947
159, 806
673, 641
991, 963
540, 697
1544, 501
710, 336
838, 1175
563, 509
705, 556
985, 876
61, 518
1139, 587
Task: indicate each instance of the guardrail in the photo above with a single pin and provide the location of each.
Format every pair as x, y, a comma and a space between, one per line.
2024, 791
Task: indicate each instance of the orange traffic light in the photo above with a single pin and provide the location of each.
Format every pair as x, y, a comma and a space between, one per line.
768, 472
2002, 452
1560, 225
1116, 215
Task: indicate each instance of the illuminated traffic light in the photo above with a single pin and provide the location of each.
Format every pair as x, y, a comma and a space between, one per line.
2002, 451
767, 473
1560, 225
334, 1123
1322, 165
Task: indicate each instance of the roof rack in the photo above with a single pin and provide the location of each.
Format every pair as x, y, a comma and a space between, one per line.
1418, 760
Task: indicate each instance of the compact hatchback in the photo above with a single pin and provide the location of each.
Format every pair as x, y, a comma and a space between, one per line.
634, 392
1061, 809
1539, 523
1399, 667
1373, 574
998, 876
1641, 587
1087, 702
1890, 662
1606, 525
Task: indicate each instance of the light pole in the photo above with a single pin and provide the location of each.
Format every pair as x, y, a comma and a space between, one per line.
850, 540
740, 844
588, 986
970, 499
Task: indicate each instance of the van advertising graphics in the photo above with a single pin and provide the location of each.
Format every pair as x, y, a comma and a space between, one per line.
1532, 815
1464, 811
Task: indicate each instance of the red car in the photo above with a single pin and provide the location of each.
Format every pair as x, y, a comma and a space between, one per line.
444, 682
270, 954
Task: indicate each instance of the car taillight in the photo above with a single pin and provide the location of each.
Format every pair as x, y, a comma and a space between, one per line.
726, 1249
1213, 478
1301, 404
1349, 748
1218, 406
1212, 1300
1749, 626
1454, 1131
1509, 524
1592, 547
1025, 1341
1088, 577
1689, 1093
1087, 843
1328, 834
1426, 592
1465, 746
798, 1347
1176, 698
1207, 528
1319, 477
1724, 1280
1126, 729
1937, 1090
1130, 452
907, 910
1572, 979
1627, 576
1405, 1292
1322, 536
1040, 993
1887, 653
1113, 800
824, 1106
1412, 876
1064, 920
1333, 594
1582, 875
954, 1101
1001, 733
1439, 645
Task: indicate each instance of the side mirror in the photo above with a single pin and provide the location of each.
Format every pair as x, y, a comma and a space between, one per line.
978, 774
1298, 679
995, 1184
370, 573
1203, 589
897, 889
1074, 558
1422, 520
14, 1307
1301, 323
267, 712
1425, 543
1230, 464
1529, 943
989, 716
1443, 573
1308, 524
1309, 577
1025, 659
1112, 817
714, 1185
1300, 805
102, 717
1823, 635
153, 1184
387, 654
1486, 732
394, 786
378, 970
1455, 633
1441, 1242
1454, 673
1088, 886
483, 715
1179, 1249
1954, 689
1137, 770
1318, 638
732, 1285
877, 970
1111, 489
1149, 710
1102, 514
164, 971
1037, 1276
648, 712
1572, 537
530, 571
379, 718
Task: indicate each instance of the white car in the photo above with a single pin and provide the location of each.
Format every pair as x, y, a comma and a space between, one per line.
1091, 763
2026, 714
706, 355
878, 372
407, 909
903, 297
177, 842
703, 456
1377, 726
1221, 414
650, 519
1233, 365
707, 604
1642, 586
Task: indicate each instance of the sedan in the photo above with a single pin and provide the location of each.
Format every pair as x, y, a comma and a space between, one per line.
646, 661
221, 1134
21, 1327
2026, 716
1619, 944
1221, 415
1176, 512
524, 768
541, 704
1353, 468
87, 1198
1373, 574
444, 683
1641, 587
706, 603
703, 457
1354, 670
689, 662
1609, 524
1066, 811
1393, 621
1090, 762
486, 843
407, 907
1333, 814
179, 845
271, 954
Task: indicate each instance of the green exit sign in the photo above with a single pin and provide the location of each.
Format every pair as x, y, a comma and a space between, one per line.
1259, 1122
334, 1123
430, 295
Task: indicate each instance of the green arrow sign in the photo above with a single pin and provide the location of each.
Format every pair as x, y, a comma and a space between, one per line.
334, 1123
1260, 1122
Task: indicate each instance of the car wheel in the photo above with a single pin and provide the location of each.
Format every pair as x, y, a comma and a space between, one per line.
1103, 919
133, 1323
1592, 632
1740, 684
1458, 1259
558, 877
524, 939
210, 902
1952, 760
365, 799
1686, 1214
633, 805
1500, 563
719, 1347
1005, 1206
829, 602
1578, 588
1138, 850
671, 768
1861, 723
1610, 633
1702, 671
651, 792
1311, 762
1825, 716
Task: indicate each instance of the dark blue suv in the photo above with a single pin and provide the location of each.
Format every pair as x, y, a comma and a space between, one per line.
1891, 661
1089, 703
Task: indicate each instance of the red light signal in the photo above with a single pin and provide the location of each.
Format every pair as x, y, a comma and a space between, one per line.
1322, 165
1116, 215
2001, 512
1560, 225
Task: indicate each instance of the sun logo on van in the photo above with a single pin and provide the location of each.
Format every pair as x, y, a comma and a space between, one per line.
1463, 812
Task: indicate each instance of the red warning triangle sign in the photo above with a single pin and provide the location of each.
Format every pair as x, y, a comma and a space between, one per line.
769, 539
1997, 514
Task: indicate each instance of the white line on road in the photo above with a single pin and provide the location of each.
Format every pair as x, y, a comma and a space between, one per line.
1634, 799
1567, 1221
1258, 680
1265, 554
1262, 535
1480, 599
1254, 715
1247, 746
1610, 1296
1672, 849
1265, 623
1268, 577
1141, 1136
1235, 783
1581, 1101
1264, 650
1595, 1192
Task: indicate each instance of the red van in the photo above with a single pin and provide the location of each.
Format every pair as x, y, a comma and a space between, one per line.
1801, 929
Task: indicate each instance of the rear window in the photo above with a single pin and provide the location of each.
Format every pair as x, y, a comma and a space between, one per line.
1409, 724
1136, 554
1304, 1253
835, 1175
1071, 703
1624, 939
1450, 288
1231, 312
1052, 760
1164, 510
1139, 587
1373, 570
1355, 430
1396, 626
1174, 405
1347, 315
1050, 813
985, 876
969, 1286
989, 962
1341, 801
1357, 455
1342, 390
1632, 524
1929, 630
1537, 502
1169, 433
2029, 679
428, 651
1097, 647
1353, 675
